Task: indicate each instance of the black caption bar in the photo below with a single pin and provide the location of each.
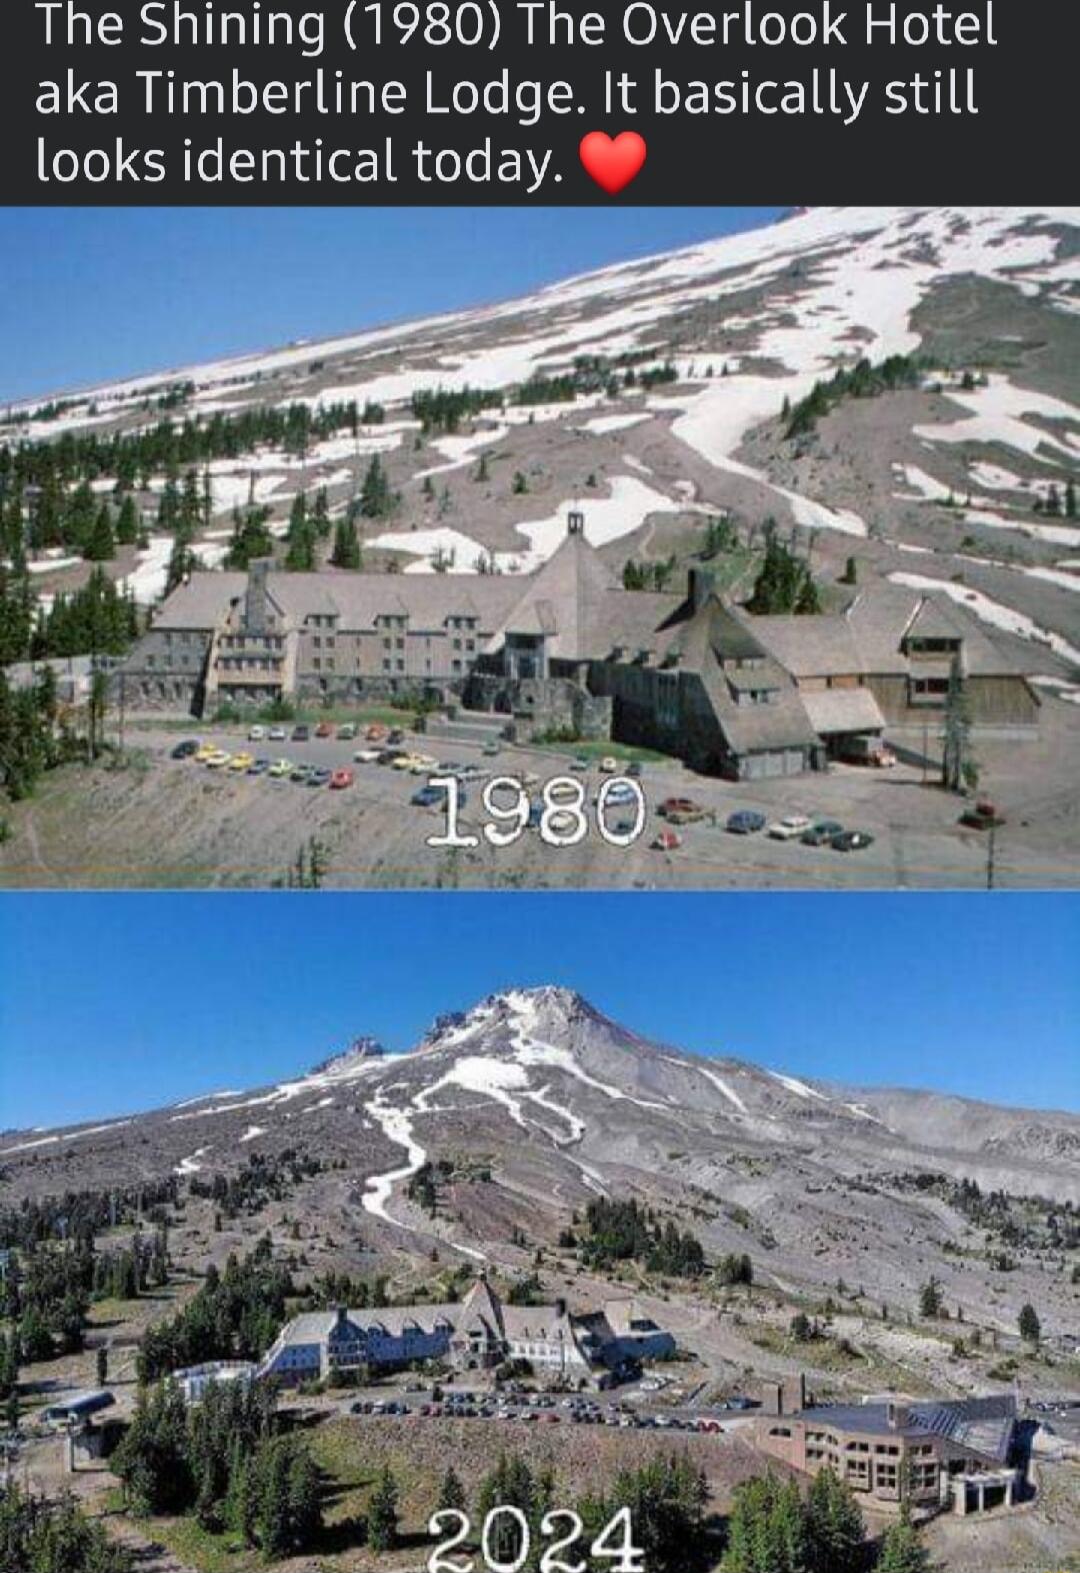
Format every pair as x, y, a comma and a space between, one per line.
499, 101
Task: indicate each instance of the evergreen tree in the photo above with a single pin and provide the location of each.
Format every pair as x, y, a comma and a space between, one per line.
127, 522
784, 584
346, 549
835, 1527
80, 517
901, 1550
383, 1512
101, 544
1029, 1324
300, 554
931, 1299
320, 517
376, 499
251, 537
451, 1494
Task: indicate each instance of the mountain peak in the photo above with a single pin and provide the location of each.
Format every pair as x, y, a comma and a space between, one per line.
544, 1004
362, 1048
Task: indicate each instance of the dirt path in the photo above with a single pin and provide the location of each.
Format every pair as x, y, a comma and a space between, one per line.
150, 1555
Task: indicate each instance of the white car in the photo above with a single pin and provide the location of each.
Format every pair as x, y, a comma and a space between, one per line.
366, 756
276, 734
790, 828
256, 734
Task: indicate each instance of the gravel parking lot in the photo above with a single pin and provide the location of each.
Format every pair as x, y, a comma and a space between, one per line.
167, 821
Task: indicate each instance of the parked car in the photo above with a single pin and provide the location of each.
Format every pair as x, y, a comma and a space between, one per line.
423, 764
217, 759
427, 796
666, 841
324, 729
256, 734
300, 773
680, 810
188, 749
852, 841
376, 732
301, 734
319, 777
790, 828
745, 822
609, 765
346, 732
340, 779
258, 767
203, 752
619, 792
489, 750
241, 762
281, 768
387, 756
561, 822
868, 751
579, 763
366, 756
634, 768
821, 832
276, 734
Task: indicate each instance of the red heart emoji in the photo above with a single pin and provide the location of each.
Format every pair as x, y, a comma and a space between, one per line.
612, 164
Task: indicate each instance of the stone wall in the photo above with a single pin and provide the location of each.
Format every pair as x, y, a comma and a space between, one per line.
539, 705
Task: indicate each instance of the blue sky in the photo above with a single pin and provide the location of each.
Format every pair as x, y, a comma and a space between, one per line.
110, 1003
95, 293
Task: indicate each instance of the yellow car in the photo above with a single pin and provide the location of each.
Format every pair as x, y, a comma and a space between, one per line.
241, 761
204, 751
218, 759
422, 764
403, 762
280, 768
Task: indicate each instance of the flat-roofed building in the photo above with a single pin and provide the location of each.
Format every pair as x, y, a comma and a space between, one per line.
957, 1451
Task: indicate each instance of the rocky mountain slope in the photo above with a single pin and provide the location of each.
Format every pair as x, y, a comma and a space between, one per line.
534, 1102
681, 365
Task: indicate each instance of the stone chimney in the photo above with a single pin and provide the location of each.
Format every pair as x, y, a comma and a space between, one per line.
897, 1412
700, 585
575, 522
255, 604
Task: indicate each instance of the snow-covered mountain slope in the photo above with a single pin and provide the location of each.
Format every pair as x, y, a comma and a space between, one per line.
959, 470
557, 1103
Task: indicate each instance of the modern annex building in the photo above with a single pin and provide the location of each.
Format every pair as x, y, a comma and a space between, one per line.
568, 647
941, 1452
476, 1333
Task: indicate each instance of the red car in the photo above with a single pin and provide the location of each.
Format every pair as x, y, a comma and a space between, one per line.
324, 729
341, 779
666, 841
